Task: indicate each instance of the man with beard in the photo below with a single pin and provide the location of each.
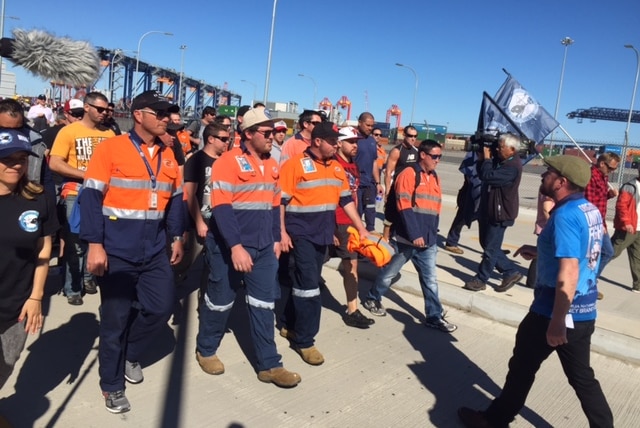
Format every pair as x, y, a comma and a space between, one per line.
562, 315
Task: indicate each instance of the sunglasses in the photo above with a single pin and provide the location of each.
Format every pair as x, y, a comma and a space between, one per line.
611, 168
99, 109
377, 135
266, 134
411, 135
331, 141
159, 114
76, 114
223, 139
434, 157
314, 122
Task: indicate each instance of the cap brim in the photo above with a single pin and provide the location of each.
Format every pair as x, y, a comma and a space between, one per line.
11, 150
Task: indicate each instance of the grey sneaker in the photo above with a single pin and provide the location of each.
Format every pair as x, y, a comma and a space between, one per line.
133, 372
375, 307
116, 402
442, 325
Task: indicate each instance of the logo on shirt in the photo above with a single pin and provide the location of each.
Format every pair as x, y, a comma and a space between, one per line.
28, 221
244, 164
308, 166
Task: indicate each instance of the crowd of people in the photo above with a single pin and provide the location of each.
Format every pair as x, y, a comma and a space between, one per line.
264, 212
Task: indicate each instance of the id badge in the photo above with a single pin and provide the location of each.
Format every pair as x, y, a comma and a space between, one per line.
153, 200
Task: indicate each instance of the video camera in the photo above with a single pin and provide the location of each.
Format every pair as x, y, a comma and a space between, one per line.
490, 139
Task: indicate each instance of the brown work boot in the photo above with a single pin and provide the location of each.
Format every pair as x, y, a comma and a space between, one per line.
310, 355
280, 377
211, 365
287, 334
454, 249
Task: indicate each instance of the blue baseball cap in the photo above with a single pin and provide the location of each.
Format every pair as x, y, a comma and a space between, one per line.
12, 140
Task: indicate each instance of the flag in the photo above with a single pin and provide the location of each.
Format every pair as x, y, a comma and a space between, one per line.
493, 120
523, 110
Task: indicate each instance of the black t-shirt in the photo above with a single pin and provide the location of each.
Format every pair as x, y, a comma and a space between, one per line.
198, 170
23, 223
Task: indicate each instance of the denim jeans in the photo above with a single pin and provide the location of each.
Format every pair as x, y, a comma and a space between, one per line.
491, 237
424, 260
367, 206
530, 351
217, 301
75, 251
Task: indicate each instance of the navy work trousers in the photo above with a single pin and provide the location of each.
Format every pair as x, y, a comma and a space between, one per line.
137, 299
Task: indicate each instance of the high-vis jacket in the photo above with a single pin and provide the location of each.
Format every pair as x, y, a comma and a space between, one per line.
245, 199
420, 218
120, 207
312, 189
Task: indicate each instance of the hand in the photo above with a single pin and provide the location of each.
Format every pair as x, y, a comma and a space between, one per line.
202, 229
336, 241
379, 189
32, 310
177, 252
612, 193
528, 252
419, 242
629, 229
557, 333
241, 259
285, 242
486, 152
97, 263
277, 249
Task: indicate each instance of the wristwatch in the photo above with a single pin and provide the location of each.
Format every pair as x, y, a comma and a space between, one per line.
178, 238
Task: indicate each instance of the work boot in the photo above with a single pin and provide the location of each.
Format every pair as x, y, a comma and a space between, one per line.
310, 355
210, 365
475, 285
508, 282
280, 377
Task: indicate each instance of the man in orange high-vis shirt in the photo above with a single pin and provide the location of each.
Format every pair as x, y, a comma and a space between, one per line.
419, 203
242, 245
131, 204
301, 140
313, 185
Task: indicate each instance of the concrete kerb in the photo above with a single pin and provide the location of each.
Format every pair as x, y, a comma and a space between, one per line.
506, 308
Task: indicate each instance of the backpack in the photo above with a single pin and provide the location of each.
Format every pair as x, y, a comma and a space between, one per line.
391, 214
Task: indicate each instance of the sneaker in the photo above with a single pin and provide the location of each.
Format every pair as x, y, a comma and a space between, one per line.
133, 372
356, 319
508, 282
91, 287
636, 290
442, 325
310, 355
475, 285
375, 307
454, 249
75, 300
211, 365
116, 402
280, 377
472, 418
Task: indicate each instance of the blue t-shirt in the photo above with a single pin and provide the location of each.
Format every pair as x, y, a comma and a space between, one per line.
574, 231
365, 157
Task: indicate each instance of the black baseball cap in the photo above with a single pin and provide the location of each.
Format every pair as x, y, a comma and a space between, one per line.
154, 101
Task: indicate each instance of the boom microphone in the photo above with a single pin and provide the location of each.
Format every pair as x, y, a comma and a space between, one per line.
57, 58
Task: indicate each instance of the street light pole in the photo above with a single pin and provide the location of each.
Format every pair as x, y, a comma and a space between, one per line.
138, 54
266, 81
253, 100
415, 91
2, 31
566, 42
633, 100
315, 89
180, 85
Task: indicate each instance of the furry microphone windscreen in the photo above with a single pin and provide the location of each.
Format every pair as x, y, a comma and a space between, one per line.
57, 58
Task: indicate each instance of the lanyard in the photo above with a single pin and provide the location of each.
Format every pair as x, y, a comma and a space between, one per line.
136, 143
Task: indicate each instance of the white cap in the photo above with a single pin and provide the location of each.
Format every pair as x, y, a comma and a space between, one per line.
348, 133
281, 124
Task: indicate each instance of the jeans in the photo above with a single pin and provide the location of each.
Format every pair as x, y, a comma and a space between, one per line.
137, 300
491, 237
530, 351
367, 206
75, 251
424, 260
606, 253
302, 311
220, 294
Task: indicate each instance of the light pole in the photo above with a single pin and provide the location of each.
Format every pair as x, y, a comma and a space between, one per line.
315, 89
633, 100
138, 54
180, 85
2, 31
415, 91
255, 87
266, 80
566, 42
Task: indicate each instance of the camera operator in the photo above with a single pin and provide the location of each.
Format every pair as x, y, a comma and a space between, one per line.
499, 169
